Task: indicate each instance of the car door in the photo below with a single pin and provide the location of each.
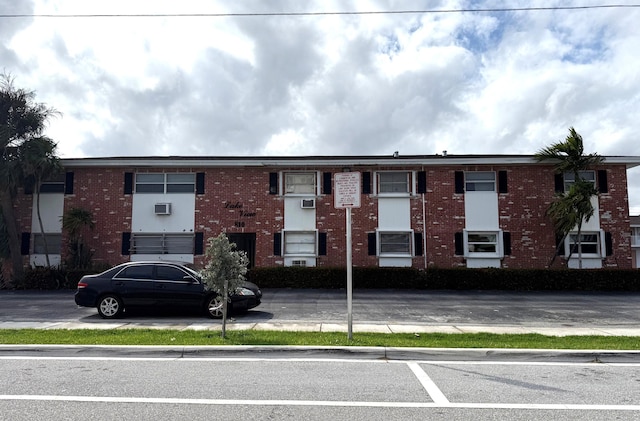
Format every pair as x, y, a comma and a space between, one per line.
134, 284
175, 287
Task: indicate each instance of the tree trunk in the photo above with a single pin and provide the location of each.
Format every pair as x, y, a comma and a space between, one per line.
44, 237
225, 297
6, 201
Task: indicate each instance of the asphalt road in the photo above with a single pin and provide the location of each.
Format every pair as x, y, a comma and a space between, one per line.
437, 308
113, 387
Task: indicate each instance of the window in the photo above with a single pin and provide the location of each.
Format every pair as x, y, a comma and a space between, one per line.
170, 273
53, 185
482, 242
570, 178
396, 243
300, 243
300, 183
136, 272
589, 243
393, 182
480, 181
54, 243
162, 244
165, 183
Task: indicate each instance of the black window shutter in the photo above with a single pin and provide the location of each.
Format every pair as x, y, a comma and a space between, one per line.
608, 242
459, 243
602, 181
322, 244
459, 181
366, 182
25, 243
200, 183
502, 182
422, 182
372, 247
326, 183
273, 184
128, 183
277, 244
506, 242
29, 185
198, 246
68, 182
559, 183
417, 243
126, 243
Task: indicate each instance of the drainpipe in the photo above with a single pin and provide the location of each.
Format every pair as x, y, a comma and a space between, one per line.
424, 226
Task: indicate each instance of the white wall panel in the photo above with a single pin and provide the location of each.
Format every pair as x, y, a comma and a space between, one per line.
481, 211
394, 213
296, 218
182, 218
51, 210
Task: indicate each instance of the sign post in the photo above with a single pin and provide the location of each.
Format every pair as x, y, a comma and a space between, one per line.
347, 196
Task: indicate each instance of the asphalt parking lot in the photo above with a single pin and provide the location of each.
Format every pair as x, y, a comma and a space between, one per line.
557, 313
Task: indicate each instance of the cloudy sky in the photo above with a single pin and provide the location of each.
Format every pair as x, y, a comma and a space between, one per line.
227, 82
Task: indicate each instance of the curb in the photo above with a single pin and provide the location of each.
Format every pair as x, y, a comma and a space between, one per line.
316, 352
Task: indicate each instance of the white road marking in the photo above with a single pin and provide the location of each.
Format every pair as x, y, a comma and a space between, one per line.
185, 401
432, 389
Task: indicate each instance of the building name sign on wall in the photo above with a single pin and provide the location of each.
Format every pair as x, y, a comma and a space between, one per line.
243, 213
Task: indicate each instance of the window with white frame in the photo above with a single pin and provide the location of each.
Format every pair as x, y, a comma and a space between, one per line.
589, 243
570, 178
298, 243
162, 243
165, 183
300, 183
54, 243
393, 182
480, 181
394, 243
482, 242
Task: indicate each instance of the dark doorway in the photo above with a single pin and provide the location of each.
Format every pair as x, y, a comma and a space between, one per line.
245, 242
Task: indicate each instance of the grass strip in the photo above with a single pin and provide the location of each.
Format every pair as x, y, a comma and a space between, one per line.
262, 337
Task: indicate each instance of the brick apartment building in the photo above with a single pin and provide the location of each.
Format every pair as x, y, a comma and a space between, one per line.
416, 211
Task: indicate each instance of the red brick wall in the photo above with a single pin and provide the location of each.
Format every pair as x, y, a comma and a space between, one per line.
521, 212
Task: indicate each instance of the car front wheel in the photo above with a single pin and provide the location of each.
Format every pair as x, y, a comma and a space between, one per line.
214, 307
110, 307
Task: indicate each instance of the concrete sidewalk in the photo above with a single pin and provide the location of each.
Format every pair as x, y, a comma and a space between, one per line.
417, 329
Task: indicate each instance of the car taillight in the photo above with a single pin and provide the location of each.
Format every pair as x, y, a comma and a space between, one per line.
82, 285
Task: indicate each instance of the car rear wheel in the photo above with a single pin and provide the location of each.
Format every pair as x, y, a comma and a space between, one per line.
214, 307
110, 307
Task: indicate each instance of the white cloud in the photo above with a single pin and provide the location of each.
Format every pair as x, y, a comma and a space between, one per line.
504, 82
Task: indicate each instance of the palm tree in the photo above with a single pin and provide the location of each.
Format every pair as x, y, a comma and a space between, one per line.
573, 208
39, 163
74, 221
21, 119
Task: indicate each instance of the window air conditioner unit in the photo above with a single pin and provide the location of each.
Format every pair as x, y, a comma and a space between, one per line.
299, 263
308, 203
163, 208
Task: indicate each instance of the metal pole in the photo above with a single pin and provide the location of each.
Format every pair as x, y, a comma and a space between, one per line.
349, 279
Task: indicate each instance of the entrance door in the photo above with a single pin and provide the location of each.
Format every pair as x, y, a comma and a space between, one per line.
245, 242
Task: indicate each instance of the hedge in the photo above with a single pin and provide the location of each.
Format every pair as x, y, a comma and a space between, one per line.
397, 278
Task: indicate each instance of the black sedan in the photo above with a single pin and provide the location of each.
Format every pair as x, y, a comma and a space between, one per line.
160, 284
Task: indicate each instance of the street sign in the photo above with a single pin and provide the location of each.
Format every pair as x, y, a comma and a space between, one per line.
347, 190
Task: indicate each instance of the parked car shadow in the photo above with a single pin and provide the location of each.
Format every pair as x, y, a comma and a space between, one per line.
161, 315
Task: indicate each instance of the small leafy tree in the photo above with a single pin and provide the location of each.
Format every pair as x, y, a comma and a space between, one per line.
225, 271
573, 208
